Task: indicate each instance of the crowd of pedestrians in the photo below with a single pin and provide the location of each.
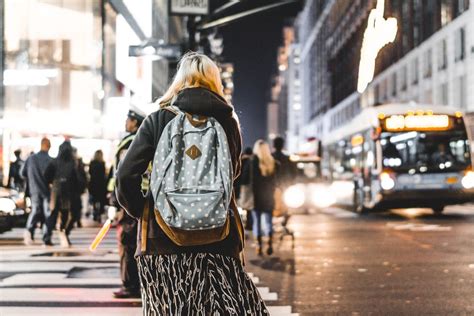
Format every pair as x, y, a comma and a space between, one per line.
55, 187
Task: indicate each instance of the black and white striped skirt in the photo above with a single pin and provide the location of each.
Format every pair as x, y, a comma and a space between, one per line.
197, 284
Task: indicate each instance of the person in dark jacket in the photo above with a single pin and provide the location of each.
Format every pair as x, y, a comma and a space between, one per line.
15, 181
243, 187
264, 185
127, 228
286, 170
39, 192
171, 274
61, 173
76, 205
97, 185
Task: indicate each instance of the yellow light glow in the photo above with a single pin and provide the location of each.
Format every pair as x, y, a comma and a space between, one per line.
379, 32
357, 140
458, 114
418, 122
381, 116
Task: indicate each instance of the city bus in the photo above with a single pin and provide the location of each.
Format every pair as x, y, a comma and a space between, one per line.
401, 156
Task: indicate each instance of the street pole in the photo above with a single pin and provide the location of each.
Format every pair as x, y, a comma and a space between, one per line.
191, 25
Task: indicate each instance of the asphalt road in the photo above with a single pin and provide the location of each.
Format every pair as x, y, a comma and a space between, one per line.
405, 262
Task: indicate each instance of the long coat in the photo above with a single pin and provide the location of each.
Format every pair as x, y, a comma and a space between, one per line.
263, 188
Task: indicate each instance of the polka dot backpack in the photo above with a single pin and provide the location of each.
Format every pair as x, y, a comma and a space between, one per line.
191, 180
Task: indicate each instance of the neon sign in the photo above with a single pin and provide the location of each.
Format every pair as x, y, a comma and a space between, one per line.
379, 32
417, 122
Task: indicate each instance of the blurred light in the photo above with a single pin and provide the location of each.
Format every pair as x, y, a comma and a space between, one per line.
357, 140
294, 196
282, 67
111, 212
403, 137
458, 114
297, 106
28, 77
7, 205
423, 169
386, 181
149, 50
296, 60
342, 189
379, 32
468, 180
392, 162
321, 196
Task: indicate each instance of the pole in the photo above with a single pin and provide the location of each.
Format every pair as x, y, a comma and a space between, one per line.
191, 33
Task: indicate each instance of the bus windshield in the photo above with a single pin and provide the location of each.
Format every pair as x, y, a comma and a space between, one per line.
425, 151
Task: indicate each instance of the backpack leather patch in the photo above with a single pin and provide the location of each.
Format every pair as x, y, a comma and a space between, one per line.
193, 152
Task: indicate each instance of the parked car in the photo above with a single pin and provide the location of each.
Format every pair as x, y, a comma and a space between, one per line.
13, 209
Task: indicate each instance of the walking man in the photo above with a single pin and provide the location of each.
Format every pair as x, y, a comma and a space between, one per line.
15, 181
127, 228
33, 171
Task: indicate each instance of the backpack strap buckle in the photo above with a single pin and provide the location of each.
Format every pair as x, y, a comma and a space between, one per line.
196, 120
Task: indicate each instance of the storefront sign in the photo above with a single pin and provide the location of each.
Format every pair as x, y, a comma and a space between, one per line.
379, 32
189, 7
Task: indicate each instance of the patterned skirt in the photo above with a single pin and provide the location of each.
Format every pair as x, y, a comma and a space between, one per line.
197, 284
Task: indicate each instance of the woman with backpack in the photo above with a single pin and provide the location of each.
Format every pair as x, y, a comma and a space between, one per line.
61, 174
190, 235
264, 183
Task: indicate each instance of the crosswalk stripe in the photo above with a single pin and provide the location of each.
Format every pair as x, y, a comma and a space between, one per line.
38, 281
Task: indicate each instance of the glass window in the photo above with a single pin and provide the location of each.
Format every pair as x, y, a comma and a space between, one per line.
443, 95
394, 84
442, 55
414, 71
460, 44
446, 12
403, 85
427, 63
461, 92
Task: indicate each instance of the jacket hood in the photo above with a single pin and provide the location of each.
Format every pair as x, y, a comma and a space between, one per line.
202, 101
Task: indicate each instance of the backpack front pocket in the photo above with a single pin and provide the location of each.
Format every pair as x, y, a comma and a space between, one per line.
195, 211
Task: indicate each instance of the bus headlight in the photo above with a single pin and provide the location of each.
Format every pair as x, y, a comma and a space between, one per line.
322, 196
468, 180
7, 205
386, 181
294, 196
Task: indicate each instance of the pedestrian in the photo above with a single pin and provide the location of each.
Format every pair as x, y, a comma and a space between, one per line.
264, 170
97, 185
61, 174
286, 170
15, 181
244, 187
202, 278
127, 225
33, 170
76, 205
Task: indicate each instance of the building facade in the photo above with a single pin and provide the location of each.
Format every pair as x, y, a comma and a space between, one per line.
430, 61
67, 70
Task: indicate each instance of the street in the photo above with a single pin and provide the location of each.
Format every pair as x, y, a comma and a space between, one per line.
406, 262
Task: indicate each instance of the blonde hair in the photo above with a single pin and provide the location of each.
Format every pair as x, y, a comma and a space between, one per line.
194, 70
266, 162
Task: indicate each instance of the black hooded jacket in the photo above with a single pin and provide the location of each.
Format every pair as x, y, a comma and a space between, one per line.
198, 101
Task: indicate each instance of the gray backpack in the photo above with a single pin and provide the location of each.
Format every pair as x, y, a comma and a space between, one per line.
192, 179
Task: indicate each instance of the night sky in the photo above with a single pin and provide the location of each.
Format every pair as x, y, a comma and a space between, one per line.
251, 44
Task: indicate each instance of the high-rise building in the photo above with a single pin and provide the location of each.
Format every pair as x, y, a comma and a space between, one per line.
430, 61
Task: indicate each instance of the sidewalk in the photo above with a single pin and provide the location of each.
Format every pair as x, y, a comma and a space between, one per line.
55, 281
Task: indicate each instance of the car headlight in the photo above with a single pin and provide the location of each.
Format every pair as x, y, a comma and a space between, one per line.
7, 205
294, 196
386, 181
468, 180
322, 196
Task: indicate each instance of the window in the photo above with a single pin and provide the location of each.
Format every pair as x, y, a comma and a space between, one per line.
461, 92
414, 71
460, 44
394, 84
446, 12
427, 63
443, 94
442, 55
403, 85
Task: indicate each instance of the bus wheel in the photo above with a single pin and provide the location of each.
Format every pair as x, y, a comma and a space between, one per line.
438, 209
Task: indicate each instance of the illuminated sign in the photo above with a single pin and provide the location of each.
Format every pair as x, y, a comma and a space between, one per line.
189, 7
379, 32
417, 122
357, 140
